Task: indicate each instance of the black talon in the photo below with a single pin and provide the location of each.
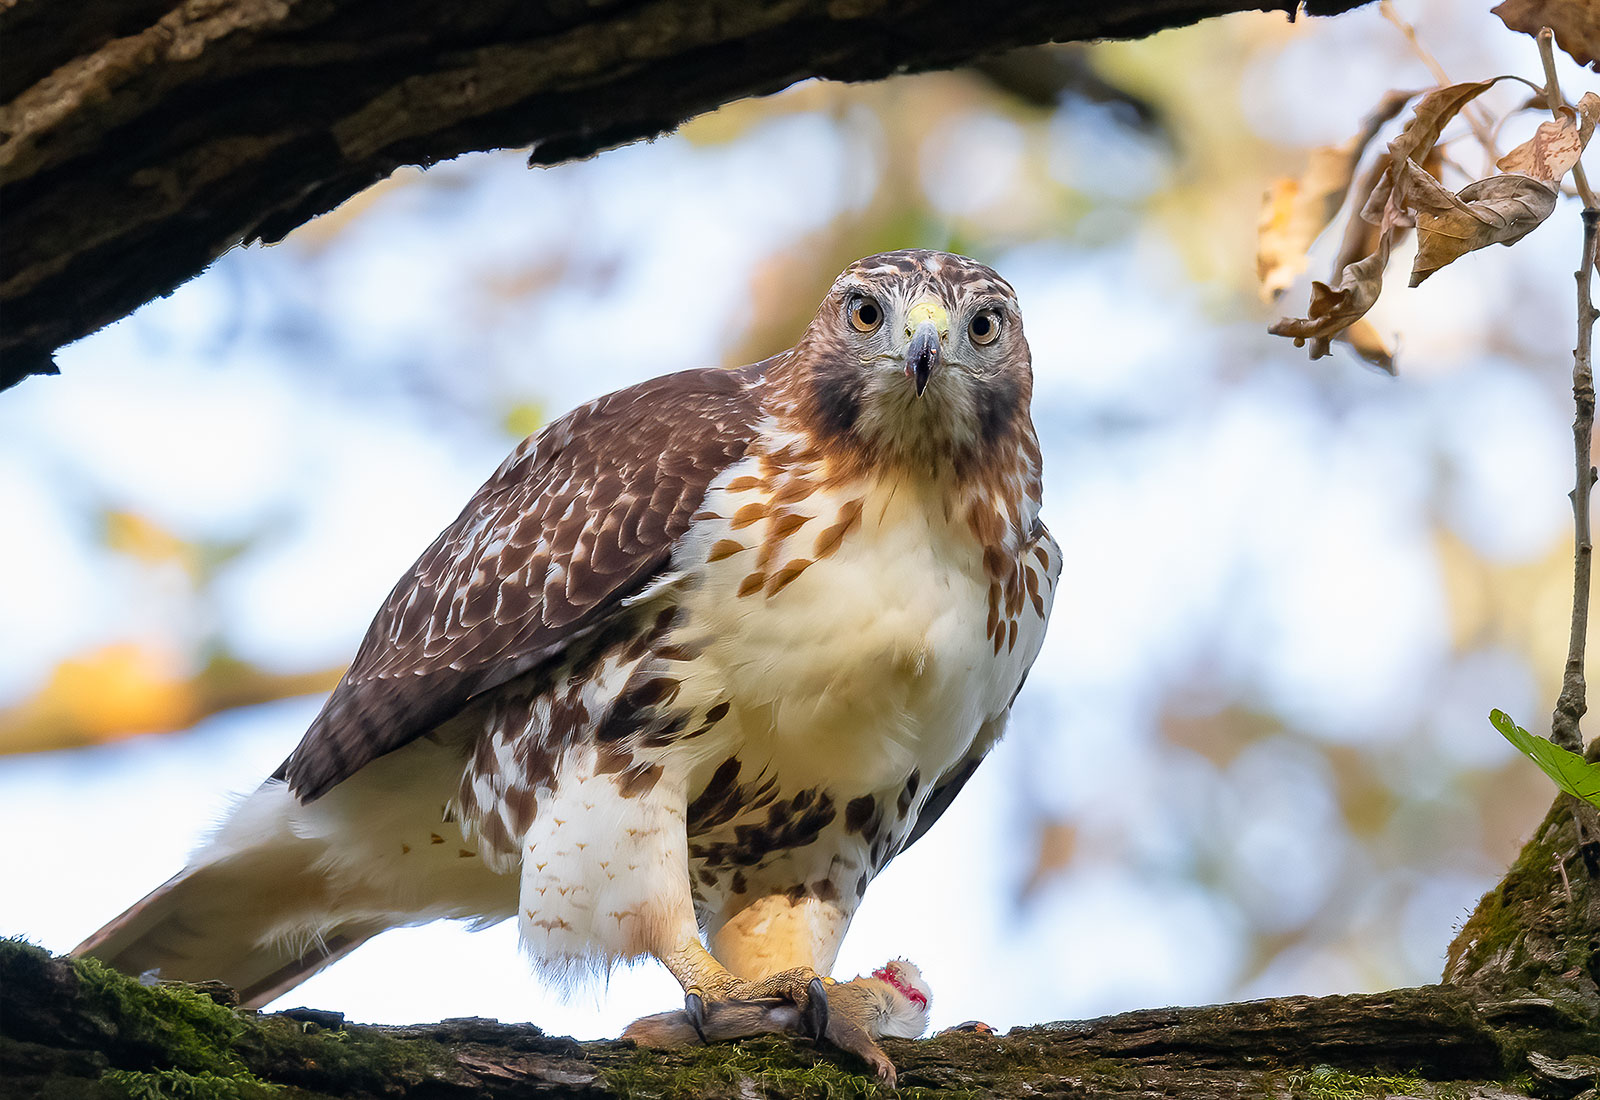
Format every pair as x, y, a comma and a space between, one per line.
816, 1014
694, 1007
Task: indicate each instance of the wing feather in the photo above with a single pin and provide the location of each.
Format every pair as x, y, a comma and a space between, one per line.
579, 517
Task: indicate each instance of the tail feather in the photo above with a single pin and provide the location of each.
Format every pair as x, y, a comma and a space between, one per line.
284, 889
214, 923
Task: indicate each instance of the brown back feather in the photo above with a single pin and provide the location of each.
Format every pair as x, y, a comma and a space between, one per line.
580, 516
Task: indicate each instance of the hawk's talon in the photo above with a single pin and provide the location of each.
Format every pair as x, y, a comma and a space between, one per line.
815, 1016
694, 1007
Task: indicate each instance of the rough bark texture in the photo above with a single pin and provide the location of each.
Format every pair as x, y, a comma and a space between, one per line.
1521, 1017
1537, 933
76, 1029
140, 139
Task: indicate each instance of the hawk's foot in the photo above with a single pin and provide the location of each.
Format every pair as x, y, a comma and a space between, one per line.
892, 1001
802, 987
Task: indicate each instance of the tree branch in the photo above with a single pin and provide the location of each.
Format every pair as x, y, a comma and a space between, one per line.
1571, 704
74, 1028
141, 139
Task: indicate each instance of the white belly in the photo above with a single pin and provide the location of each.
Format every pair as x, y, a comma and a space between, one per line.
830, 655
873, 662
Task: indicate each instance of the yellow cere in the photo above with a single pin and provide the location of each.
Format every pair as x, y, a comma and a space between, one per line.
928, 310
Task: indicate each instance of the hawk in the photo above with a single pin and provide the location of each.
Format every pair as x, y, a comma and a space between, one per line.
698, 660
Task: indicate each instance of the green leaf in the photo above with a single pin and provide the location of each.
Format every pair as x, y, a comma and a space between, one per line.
1571, 772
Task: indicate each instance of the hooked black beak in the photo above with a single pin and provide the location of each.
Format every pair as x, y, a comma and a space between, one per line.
922, 354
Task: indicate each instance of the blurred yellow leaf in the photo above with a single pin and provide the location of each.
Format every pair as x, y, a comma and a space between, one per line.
1057, 847
142, 538
733, 120
129, 688
523, 419
107, 693
1523, 606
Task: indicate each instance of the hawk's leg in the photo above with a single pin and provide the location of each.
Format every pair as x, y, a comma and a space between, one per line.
704, 980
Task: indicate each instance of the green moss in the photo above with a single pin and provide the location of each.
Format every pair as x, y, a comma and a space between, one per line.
175, 1084
1507, 913
180, 1028
364, 1058
1110, 1073
765, 1066
1327, 1083
187, 1034
1522, 1082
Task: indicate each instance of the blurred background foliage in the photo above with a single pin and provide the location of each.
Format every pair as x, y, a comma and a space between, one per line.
1254, 756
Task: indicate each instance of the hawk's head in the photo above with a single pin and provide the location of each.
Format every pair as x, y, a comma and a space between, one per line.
916, 357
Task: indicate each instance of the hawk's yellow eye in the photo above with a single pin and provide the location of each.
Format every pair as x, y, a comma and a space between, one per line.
984, 327
865, 314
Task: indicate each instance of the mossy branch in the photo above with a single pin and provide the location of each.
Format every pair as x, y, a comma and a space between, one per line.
72, 1028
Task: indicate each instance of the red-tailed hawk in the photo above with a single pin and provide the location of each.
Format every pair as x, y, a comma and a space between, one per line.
700, 658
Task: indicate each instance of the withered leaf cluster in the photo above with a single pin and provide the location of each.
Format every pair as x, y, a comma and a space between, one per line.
1401, 191
1576, 24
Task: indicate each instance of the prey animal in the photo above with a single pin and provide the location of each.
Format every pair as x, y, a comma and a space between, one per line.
696, 662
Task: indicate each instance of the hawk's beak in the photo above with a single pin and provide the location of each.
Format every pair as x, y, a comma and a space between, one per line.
927, 324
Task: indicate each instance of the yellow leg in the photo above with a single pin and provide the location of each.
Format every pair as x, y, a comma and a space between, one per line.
775, 933
700, 973
697, 971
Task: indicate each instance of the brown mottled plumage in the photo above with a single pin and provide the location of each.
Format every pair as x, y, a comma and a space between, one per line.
521, 576
701, 657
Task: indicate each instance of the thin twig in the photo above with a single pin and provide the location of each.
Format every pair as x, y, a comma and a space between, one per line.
1472, 113
1553, 100
1571, 704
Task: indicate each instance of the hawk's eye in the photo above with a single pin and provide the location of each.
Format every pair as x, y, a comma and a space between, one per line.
984, 327
865, 314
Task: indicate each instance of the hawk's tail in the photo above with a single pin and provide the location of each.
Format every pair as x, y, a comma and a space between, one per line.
211, 922
252, 910
284, 889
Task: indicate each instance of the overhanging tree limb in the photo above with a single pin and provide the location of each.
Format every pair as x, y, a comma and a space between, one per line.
141, 139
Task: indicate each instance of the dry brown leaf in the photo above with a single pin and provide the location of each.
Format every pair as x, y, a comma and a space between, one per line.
1357, 282
1295, 212
1576, 24
1556, 145
1367, 342
1497, 210
1361, 236
1431, 115
1335, 308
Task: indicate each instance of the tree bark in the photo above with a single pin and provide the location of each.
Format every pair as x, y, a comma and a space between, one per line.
1520, 1016
77, 1029
141, 139
1537, 933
